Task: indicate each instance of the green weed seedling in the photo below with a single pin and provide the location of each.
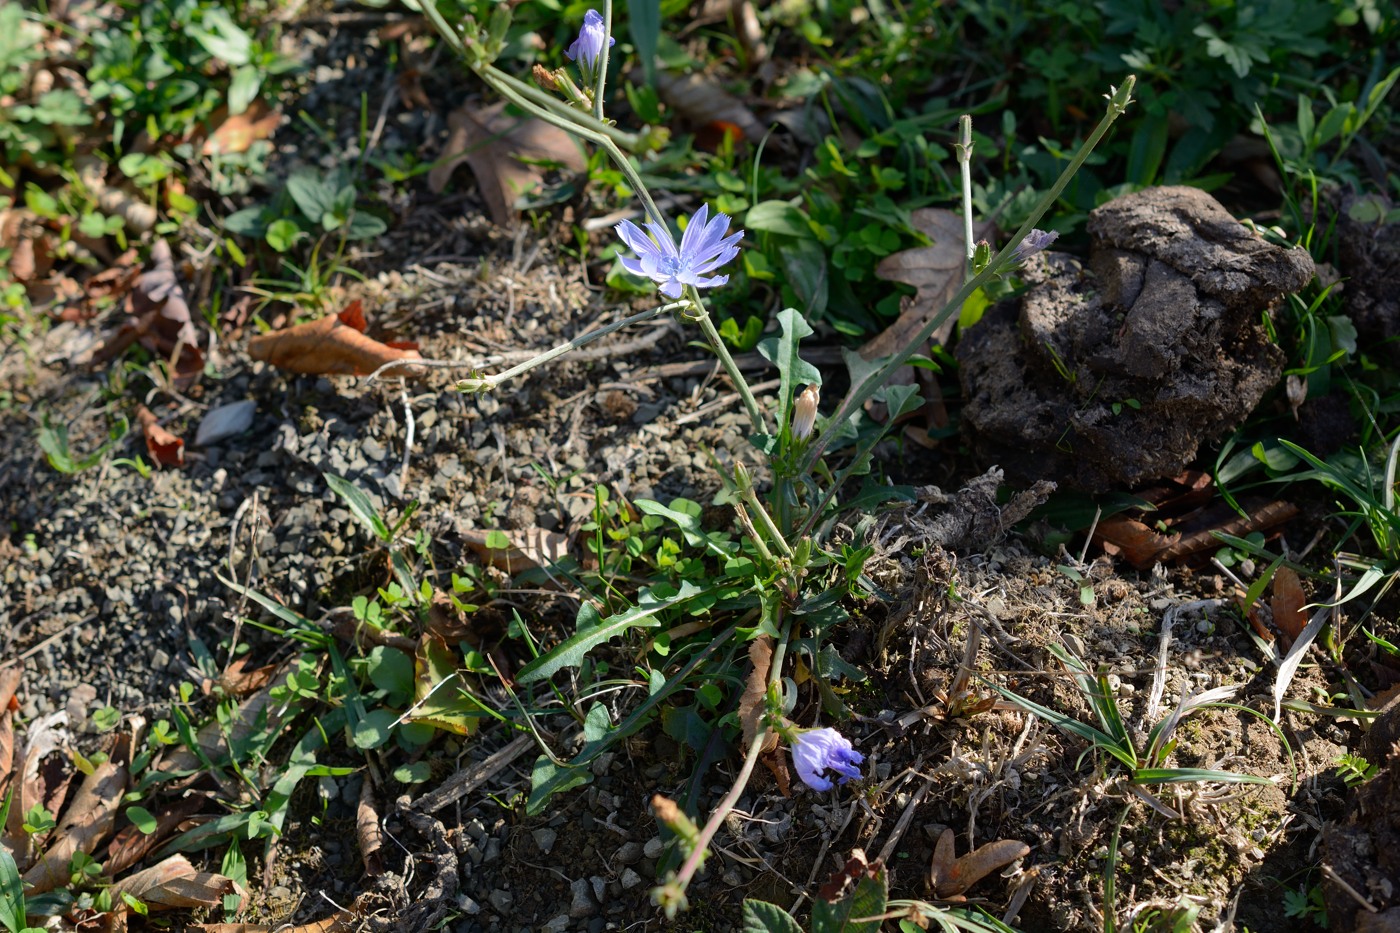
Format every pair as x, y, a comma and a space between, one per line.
1355, 770
863, 905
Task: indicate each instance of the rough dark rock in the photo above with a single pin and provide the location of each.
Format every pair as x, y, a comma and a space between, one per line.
1368, 257
1110, 376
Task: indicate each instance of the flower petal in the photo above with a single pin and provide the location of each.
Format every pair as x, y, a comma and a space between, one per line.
694, 233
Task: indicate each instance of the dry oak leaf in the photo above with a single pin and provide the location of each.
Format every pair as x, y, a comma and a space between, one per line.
174, 883
493, 143
160, 318
165, 448
530, 549
86, 823
703, 103
334, 345
950, 877
238, 132
935, 270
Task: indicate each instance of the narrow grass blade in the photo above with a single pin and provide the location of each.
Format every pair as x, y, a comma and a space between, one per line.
570, 652
1190, 775
1289, 665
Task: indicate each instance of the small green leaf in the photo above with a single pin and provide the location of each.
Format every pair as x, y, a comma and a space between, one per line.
282, 234
416, 773
141, 818
374, 730
360, 505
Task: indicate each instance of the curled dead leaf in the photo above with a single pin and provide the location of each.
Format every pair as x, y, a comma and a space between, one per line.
935, 270
1287, 604
368, 831
171, 884
530, 549
857, 868
950, 877
334, 345
165, 448
752, 704
237, 133
700, 101
493, 143
160, 318
87, 821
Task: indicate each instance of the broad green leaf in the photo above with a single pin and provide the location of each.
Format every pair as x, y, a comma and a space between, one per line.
441, 696
782, 352
644, 22
314, 197
763, 917
374, 729
867, 900
570, 652
391, 670
548, 778
778, 217
142, 819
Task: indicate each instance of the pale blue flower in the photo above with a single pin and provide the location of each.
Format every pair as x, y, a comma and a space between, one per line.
588, 47
704, 248
1032, 243
817, 751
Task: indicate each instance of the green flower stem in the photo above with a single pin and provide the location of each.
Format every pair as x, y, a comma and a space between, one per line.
964, 148
766, 520
858, 395
602, 62
697, 854
486, 383
528, 97
741, 385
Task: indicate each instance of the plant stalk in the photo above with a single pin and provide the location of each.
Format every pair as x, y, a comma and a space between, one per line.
859, 394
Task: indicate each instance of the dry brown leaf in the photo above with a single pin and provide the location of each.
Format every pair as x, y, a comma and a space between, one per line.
130, 845
160, 318
339, 922
492, 143
238, 680
10, 678
701, 102
173, 883
368, 831
211, 738
87, 821
951, 877
238, 132
857, 868
334, 345
752, 704
1143, 546
530, 549
1287, 604
936, 271
165, 448
43, 736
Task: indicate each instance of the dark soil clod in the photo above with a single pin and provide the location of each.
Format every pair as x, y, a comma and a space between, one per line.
1116, 375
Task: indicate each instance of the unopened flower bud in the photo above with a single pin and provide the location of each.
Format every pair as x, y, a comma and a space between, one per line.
742, 478
804, 413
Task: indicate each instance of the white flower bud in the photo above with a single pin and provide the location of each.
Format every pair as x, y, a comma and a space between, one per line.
804, 413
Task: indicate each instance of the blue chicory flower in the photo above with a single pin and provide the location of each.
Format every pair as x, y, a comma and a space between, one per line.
588, 47
704, 248
817, 751
1034, 242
